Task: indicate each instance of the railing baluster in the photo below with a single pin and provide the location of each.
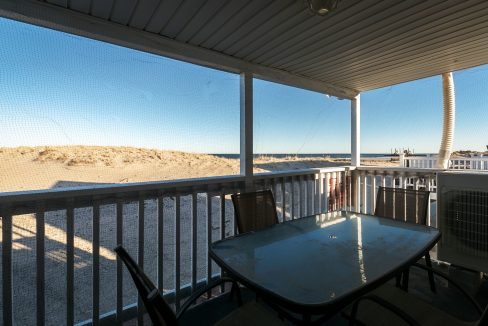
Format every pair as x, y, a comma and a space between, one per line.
283, 198
305, 196
292, 188
373, 194
222, 229
405, 186
70, 233
119, 239
316, 193
194, 232
357, 191
237, 188
316, 206
364, 185
335, 189
429, 188
96, 264
383, 182
349, 191
140, 256
342, 190
321, 193
301, 201
222, 216
338, 191
416, 187
40, 256
177, 250
310, 194
327, 191
332, 197
160, 259
209, 239
311, 191
7, 267
274, 186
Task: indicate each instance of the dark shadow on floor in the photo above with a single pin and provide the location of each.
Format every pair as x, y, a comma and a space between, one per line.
447, 298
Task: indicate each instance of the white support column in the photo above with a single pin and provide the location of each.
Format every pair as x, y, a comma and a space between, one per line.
246, 150
356, 131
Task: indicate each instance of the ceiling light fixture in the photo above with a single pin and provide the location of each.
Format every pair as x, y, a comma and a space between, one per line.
321, 7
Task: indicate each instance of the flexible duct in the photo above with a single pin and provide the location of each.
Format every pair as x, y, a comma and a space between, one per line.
448, 126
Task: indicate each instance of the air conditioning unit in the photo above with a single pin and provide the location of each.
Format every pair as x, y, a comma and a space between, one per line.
462, 212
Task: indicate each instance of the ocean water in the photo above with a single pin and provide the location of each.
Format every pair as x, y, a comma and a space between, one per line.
282, 155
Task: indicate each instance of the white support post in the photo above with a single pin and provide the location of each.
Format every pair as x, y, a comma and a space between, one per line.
246, 150
356, 131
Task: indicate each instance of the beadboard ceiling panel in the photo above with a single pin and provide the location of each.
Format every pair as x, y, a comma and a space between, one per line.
363, 45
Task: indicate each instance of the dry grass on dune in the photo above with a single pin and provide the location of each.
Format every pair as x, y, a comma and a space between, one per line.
25, 168
28, 168
120, 156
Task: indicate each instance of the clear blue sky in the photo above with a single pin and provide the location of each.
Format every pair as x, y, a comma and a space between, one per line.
59, 89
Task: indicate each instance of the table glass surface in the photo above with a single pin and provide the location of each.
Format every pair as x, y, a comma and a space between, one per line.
314, 260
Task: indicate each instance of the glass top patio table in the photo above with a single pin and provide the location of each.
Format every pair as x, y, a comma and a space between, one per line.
321, 263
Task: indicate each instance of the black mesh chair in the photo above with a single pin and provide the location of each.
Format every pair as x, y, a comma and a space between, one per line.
161, 313
402, 204
254, 210
406, 205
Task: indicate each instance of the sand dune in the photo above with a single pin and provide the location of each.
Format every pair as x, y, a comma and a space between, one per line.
28, 168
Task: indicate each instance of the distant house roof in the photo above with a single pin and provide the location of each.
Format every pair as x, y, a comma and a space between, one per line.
363, 45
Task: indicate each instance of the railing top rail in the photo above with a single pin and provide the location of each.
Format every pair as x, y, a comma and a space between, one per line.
420, 158
382, 158
456, 158
395, 169
469, 158
114, 189
124, 190
289, 173
466, 172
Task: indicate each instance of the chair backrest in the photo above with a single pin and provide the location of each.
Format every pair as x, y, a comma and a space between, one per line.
254, 210
159, 311
402, 204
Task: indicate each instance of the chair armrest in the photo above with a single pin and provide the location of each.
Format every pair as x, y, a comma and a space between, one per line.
198, 293
385, 304
456, 285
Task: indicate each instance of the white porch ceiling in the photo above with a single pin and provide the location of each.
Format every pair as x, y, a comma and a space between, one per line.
365, 44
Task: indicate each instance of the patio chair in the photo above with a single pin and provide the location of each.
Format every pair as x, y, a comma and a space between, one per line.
254, 210
389, 305
161, 313
406, 205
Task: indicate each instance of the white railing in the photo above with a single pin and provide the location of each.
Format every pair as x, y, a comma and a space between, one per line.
429, 162
58, 266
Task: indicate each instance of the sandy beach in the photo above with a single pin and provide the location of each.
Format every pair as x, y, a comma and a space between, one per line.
29, 168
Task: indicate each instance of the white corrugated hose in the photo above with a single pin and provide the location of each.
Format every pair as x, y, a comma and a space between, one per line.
448, 126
